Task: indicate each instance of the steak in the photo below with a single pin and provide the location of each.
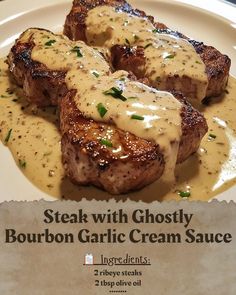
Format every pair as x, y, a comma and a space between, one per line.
139, 163
86, 159
132, 58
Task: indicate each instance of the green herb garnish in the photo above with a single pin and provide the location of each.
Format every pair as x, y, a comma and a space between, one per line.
106, 142
136, 38
169, 56
116, 93
183, 194
101, 109
127, 41
148, 45
96, 74
50, 42
3, 96
137, 117
22, 164
77, 50
156, 30
212, 136
198, 62
8, 136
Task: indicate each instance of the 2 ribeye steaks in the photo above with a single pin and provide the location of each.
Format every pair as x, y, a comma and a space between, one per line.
86, 159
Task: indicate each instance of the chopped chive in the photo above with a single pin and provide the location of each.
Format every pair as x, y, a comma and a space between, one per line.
169, 56
136, 37
212, 136
122, 79
184, 194
50, 42
106, 142
8, 136
77, 50
4, 96
22, 164
156, 30
132, 97
148, 45
116, 93
198, 62
127, 41
137, 117
101, 109
96, 74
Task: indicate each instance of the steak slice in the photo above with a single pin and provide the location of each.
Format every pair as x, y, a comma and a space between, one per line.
126, 57
41, 85
139, 162
86, 159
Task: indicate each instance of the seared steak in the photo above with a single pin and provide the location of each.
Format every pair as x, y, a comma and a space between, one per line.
140, 162
130, 58
86, 159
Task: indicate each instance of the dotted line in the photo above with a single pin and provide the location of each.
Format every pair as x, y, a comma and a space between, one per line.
118, 291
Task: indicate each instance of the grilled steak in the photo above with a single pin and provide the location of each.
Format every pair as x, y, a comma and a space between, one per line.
132, 58
41, 85
86, 159
140, 162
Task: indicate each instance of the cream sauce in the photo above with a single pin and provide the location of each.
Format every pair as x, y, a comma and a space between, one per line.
141, 110
147, 113
60, 53
166, 55
35, 141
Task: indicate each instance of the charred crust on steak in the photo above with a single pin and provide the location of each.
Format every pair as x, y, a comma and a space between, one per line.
217, 64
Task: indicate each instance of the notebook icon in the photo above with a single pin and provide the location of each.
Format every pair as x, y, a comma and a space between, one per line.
88, 259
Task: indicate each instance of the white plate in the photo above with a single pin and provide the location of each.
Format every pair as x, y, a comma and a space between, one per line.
195, 22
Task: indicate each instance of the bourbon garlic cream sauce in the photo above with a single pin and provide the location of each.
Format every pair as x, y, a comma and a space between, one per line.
166, 55
131, 106
32, 134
